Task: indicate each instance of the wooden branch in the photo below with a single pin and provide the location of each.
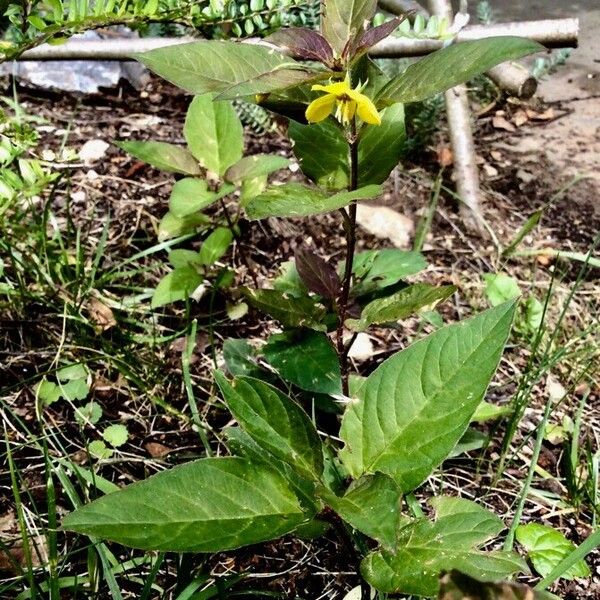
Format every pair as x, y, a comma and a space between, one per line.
514, 79
458, 111
559, 33
397, 7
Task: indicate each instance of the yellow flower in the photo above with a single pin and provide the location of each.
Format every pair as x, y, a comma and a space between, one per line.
349, 102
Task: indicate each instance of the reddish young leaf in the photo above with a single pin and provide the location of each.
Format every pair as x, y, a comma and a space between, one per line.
304, 43
356, 48
318, 275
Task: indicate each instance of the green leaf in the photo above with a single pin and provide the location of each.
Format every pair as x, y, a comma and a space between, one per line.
98, 449
90, 413
213, 66
77, 389
454, 65
307, 359
527, 228
289, 311
257, 165
371, 505
380, 148
289, 280
215, 246
282, 77
240, 358
471, 440
376, 270
172, 226
190, 195
297, 200
184, 258
425, 549
500, 288
177, 285
275, 422
116, 435
240, 443
428, 394
322, 151
342, 20
546, 547
48, 392
209, 505
458, 586
71, 372
163, 156
401, 305
214, 134
534, 314
490, 412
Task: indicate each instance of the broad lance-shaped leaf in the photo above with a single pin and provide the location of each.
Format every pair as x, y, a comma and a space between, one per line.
163, 156
275, 423
458, 586
214, 66
285, 76
317, 274
288, 310
322, 151
380, 148
257, 165
416, 406
215, 246
297, 200
425, 549
241, 444
180, 284
307, 359
189, 195
401, 305
375, 270
303, 43
546, 548
343, 19
453, 65
172, 226
371, 505
214, 134
360, 45
208, 505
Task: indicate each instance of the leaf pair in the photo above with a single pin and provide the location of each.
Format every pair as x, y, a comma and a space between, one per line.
322, 150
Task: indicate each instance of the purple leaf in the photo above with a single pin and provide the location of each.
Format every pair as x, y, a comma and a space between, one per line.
356, 48
317, 274
303, 43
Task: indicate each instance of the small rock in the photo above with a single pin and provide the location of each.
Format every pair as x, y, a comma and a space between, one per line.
92, 151
362, 349
555, 389
385, 223
490, 171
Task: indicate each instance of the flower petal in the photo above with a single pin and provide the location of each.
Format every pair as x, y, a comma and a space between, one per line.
367, 111
338, 88
318, 110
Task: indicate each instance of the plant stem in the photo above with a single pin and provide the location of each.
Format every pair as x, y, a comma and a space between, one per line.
240, 247
346, 539
350, 226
